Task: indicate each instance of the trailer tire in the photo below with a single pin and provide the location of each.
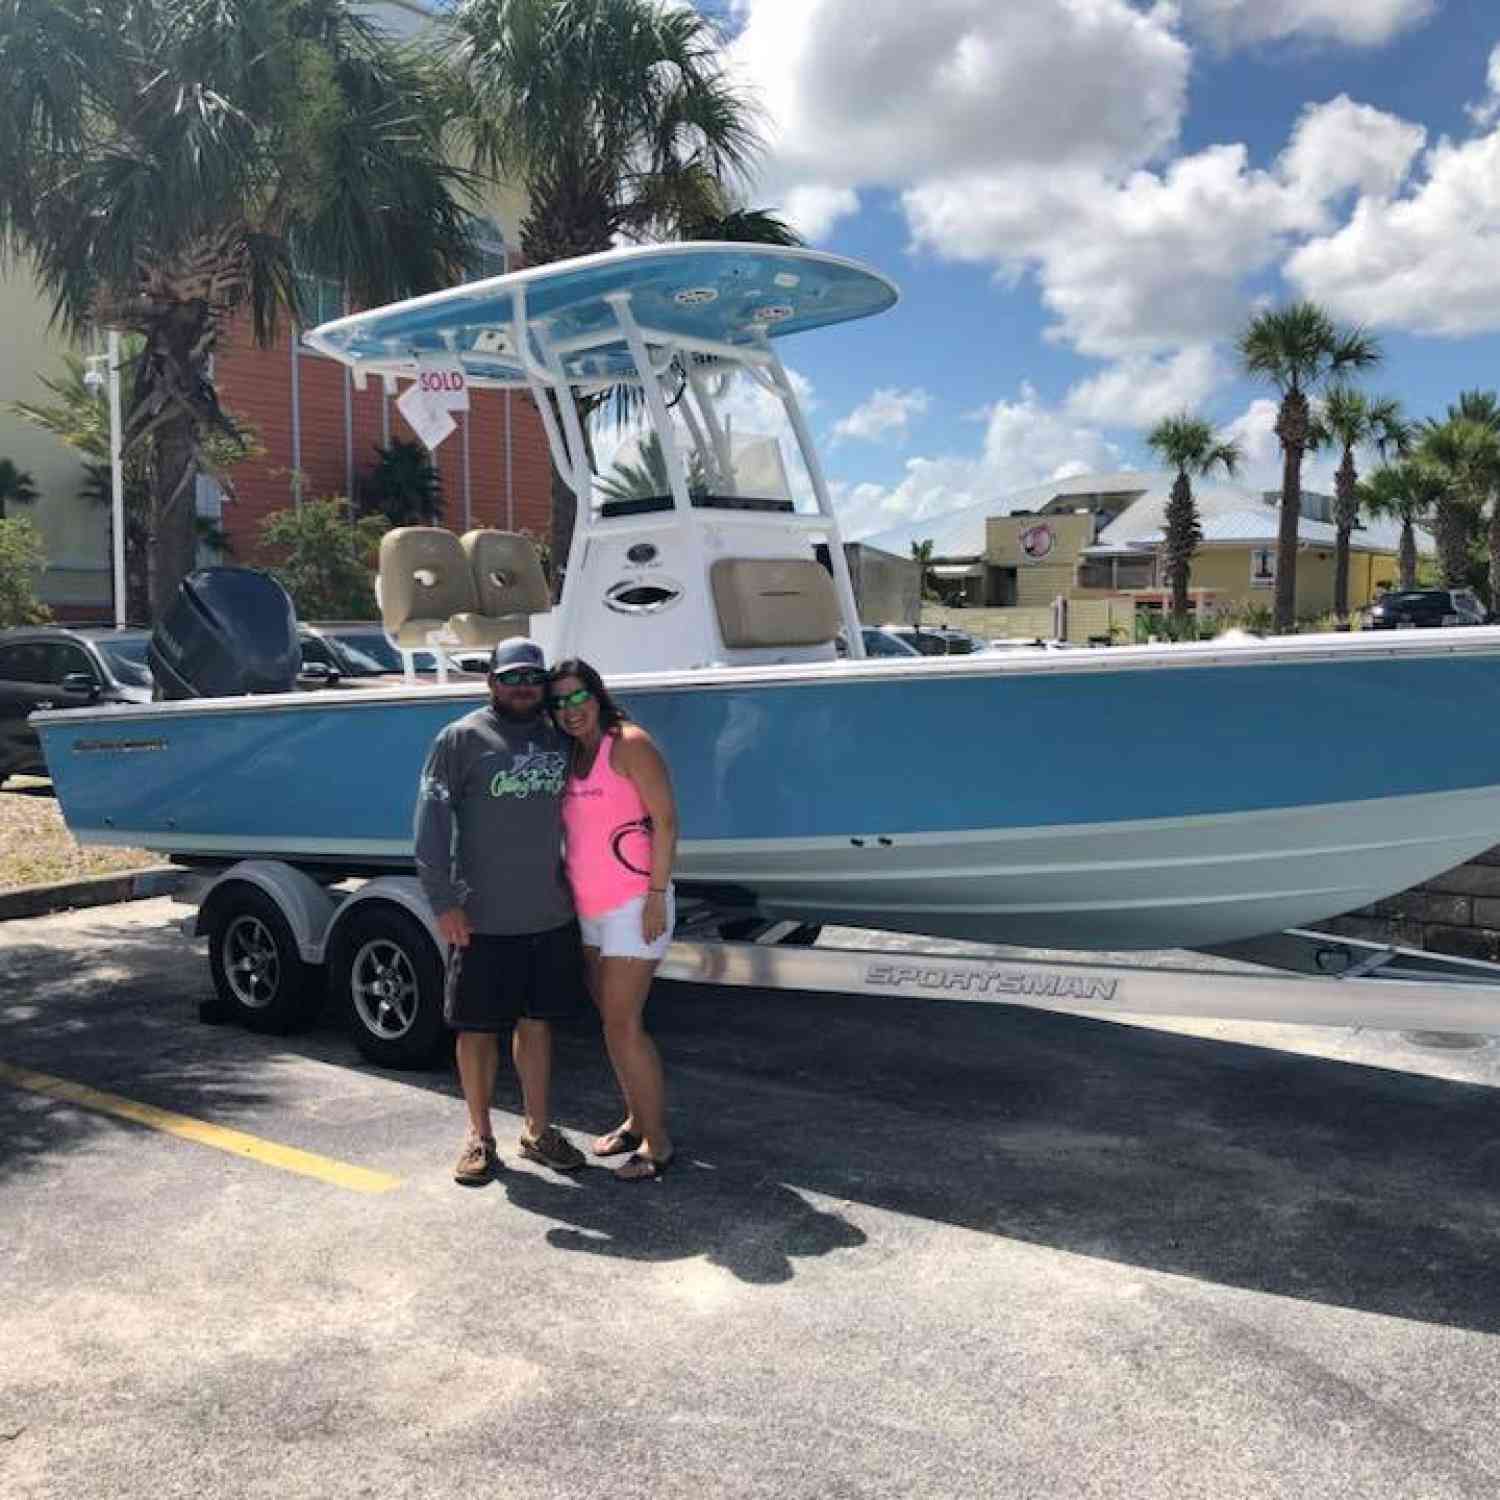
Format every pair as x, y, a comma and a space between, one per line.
388, 976
259, 975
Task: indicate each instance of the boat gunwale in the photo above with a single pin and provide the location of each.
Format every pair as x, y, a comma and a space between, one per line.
1480, 641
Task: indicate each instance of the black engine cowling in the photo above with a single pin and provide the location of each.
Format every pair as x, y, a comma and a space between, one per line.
228, 632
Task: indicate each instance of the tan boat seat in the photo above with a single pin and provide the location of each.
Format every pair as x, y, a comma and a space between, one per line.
774, 601
425, 580
509, 587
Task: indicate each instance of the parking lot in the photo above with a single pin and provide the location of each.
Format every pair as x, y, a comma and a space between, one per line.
913, 1248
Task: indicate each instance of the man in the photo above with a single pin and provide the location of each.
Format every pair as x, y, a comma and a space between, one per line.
489, 856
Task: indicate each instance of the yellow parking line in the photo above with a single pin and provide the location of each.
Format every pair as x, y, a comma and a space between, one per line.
236, 1142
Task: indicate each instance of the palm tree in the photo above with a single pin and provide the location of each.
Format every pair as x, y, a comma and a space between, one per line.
1483, 409
619, 121
1467, 455
167, 166
1406, 491
404, 486
16, 486
1191, 447
78, 415
645, 476
921, 554
1351, 419
1298, 349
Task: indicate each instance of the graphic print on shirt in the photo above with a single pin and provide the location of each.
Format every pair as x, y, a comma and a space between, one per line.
630, 843
532, 772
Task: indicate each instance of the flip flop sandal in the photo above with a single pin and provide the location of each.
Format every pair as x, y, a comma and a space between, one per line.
618, 1142
656, 1168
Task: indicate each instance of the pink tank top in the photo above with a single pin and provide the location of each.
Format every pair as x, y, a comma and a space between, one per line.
608, 837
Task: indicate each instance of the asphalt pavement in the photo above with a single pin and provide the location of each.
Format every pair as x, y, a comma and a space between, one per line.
912, 1248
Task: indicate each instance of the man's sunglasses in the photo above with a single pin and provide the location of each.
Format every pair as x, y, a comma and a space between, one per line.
576, 699
521, 677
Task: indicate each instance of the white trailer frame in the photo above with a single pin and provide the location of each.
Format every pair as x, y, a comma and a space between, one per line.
381, 948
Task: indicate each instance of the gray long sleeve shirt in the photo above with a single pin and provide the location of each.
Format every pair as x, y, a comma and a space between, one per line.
489, 823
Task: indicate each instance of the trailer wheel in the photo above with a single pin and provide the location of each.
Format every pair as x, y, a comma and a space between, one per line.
258, 972
388, 975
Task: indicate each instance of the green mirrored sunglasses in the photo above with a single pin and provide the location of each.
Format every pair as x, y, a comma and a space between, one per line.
576, 699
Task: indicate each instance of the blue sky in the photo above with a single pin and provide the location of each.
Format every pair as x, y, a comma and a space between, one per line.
1084, 200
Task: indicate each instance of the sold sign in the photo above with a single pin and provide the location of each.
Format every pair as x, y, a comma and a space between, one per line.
444, 384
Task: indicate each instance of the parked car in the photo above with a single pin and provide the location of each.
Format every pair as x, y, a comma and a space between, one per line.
936, 640
356, 653
1014, 644
879, 643
52, 666
1419, 608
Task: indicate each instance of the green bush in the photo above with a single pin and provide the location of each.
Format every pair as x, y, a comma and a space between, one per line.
325, 558
21, 562
1254, 618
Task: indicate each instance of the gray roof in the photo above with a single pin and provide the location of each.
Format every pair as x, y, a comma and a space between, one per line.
1229, 513
961, 533
1232, 514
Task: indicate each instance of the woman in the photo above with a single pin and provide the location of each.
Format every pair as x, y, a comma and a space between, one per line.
620, 824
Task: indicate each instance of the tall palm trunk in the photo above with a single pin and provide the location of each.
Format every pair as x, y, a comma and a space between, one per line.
173, 535
1182, 539
1346, 510
1495, 553
1451, 528
1408, 553
173, 394
1292, 430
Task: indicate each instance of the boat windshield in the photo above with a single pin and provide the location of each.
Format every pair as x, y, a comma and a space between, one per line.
737, 443
126, 661
369, 654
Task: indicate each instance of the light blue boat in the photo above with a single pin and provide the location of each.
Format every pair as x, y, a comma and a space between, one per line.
1135, 797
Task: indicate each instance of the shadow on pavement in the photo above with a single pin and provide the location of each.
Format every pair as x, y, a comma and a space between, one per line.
1323, 1180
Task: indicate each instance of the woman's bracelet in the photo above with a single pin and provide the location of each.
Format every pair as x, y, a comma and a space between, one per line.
656, 890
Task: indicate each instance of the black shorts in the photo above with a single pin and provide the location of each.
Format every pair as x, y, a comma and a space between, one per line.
536, 976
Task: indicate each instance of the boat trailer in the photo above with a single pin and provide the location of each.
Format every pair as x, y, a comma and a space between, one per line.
281, 942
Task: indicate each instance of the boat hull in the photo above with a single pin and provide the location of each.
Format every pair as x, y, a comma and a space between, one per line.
1112, 800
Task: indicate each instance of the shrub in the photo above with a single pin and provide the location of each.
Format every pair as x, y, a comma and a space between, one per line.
21, 562
325, 558
404, 486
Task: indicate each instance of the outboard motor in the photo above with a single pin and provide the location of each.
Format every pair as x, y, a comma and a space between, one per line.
228, 632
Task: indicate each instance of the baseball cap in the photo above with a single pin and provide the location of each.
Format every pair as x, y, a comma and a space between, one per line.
518, 651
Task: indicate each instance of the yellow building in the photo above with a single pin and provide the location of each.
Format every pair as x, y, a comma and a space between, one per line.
1094, 542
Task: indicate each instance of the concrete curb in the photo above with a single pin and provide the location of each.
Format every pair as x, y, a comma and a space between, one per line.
101, 890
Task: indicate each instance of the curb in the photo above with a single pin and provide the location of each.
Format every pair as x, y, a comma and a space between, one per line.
101, 890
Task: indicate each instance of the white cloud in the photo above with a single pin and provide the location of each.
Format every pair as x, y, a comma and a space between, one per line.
1140, 391
1487, 111
812, 209
1355, 23
1341, 145
1157, 260
888, 412
1025, 442
882, 91
1260, 451
1136, 266
1427, 262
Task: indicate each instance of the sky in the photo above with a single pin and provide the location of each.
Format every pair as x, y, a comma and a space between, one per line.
1084, 201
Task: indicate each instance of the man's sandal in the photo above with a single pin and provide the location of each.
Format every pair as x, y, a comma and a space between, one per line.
616, 1143
655, 1167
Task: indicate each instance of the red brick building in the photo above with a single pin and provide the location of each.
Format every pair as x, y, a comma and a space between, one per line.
312, 422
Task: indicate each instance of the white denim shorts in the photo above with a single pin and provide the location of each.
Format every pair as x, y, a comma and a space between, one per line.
616, 933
